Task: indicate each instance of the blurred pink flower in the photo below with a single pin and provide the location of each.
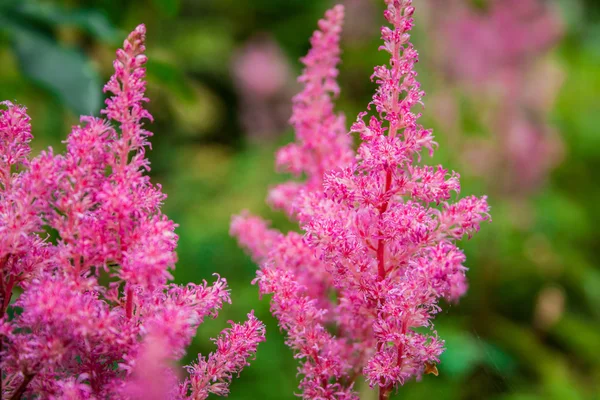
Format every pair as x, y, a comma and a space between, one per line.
261, 68
361, 17
495, 56
478, 44
262, 76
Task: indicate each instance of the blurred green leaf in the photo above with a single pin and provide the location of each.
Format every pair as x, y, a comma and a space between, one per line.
90, 20
498, 359
202, 48
461, 356
169, 7
170, 76
580, 336
66, 72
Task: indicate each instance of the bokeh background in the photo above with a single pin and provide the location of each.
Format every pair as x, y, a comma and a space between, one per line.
513, 95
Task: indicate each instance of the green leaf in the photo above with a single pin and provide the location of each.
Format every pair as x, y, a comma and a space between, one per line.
171, 77
91, 21
498, 359
169, 7
66, 72
462, 354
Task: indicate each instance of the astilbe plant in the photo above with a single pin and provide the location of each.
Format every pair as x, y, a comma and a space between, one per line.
378, 251
84, 243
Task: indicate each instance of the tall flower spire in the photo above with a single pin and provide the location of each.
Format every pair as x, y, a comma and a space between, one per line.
378, 250
290, 271
321, 144
74, 337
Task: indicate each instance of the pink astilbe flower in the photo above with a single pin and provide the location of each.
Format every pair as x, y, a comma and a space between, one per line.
321, 144
22, 251
68, 220
378, 251
234, 346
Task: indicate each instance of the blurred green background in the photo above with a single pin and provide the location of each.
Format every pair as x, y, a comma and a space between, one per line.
220, 78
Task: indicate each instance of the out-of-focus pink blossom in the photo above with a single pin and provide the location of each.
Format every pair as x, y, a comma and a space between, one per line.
74, 338
261, 68
153, 377
262, 76
478, 44
360, 18
378, 251
496, 56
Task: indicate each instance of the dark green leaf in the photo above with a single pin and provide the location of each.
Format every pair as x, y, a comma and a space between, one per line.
66, 72
169, 7
461, 356
91, 21
171, 77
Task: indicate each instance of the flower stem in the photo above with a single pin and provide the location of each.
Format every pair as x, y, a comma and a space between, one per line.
21, 389
5, 290
384, 393
129, 304
380, 243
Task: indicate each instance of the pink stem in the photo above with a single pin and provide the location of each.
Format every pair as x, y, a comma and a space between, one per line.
21, 389
384, 393
129, 304
380, 243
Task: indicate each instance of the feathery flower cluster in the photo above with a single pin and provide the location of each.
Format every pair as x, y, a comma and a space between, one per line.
321, 141
378, 252
84, 241
498, 54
